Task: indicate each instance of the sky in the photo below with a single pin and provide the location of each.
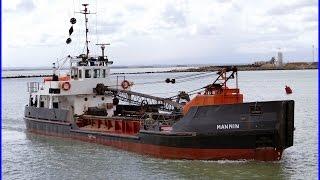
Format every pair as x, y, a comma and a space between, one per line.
147, 32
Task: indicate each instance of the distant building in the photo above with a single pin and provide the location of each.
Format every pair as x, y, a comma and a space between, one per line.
273, 62
280, 59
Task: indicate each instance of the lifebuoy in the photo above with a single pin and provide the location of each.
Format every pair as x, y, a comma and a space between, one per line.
125, 84
66, 86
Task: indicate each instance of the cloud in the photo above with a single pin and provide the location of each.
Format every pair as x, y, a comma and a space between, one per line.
105, 27
167, 31
174, 17
135, 8
291, 8
310, 17
264, 47
26, 6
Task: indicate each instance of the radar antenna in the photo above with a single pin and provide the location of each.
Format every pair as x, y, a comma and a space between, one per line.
103, 57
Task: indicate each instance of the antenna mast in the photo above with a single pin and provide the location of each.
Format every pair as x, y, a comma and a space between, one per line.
85, 12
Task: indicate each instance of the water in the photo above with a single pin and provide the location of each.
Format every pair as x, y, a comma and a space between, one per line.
28, 156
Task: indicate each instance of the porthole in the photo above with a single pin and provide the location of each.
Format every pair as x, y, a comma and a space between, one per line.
102, 98
85, 99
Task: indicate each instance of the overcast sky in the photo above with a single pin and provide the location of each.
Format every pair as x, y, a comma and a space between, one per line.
146, 32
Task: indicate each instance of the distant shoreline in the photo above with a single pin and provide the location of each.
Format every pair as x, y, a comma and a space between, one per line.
252, 67
197, 69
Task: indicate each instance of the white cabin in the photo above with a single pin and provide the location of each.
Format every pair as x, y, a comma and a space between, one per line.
75, 90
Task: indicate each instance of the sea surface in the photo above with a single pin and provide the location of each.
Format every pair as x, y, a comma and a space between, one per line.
29, 156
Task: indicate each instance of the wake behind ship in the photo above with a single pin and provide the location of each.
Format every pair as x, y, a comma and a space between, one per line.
209, 123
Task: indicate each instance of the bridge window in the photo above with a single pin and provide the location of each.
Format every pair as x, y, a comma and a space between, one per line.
103, 73
80, 73
96, 73
55, 105
74, 73
88, 73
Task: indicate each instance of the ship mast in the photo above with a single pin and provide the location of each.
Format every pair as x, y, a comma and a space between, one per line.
85, 12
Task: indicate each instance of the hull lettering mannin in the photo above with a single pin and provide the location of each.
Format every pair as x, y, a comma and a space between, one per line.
228, 126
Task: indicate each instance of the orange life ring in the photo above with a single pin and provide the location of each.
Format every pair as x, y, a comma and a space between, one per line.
125, 84
66, 86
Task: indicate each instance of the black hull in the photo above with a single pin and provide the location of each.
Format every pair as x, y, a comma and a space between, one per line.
235, 143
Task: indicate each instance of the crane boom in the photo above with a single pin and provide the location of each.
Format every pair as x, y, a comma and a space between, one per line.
165, 104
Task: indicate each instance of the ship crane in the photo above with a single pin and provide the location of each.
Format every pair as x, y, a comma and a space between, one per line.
137, 98
224, 75
164, 104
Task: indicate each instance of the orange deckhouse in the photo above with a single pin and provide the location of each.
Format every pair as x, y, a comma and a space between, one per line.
218, 92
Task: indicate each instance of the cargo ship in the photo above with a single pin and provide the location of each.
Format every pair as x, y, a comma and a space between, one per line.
209, 123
